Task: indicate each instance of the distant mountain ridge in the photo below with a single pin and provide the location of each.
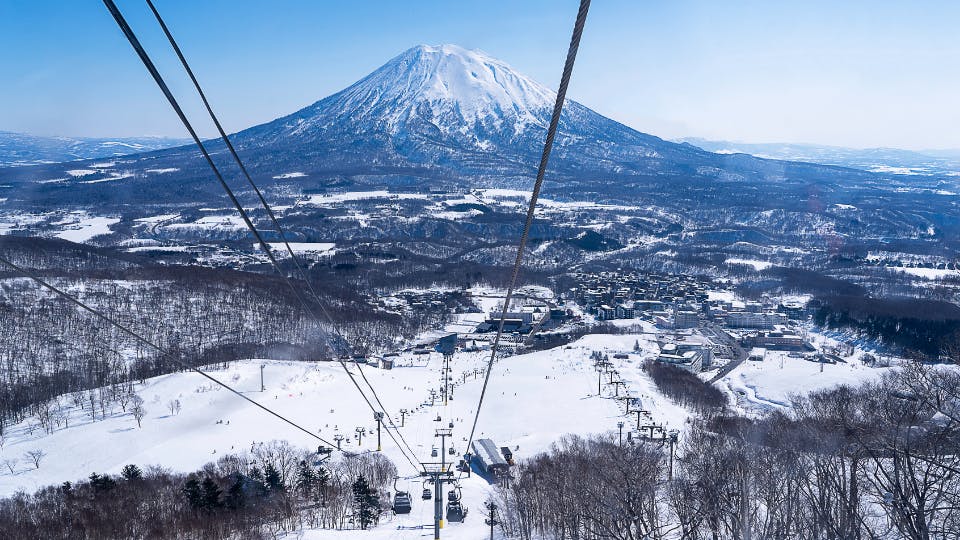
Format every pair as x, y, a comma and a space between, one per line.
23, 149
887, 160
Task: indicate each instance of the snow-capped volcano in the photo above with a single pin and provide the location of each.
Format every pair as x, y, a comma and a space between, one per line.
454, 89
446, 106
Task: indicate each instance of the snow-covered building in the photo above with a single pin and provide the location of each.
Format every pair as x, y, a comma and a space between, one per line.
683, 318
487, 456
753, 319
775, 339
691, 360
606, 313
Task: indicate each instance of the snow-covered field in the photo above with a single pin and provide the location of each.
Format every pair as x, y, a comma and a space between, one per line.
927, 273
766, 384
312, 248
86, 227
757, 265
532, 400
334, 198
228, 222
289, 175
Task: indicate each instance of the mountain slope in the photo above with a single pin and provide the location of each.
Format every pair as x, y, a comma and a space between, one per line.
19, 149
432, 117
449, 107
890, 160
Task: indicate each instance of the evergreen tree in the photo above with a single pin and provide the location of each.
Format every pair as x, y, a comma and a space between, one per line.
636, 346
235, 496
191, 489
366, 504
272, 478
131, 473
323, 480
306, 479
210, 493
257, 476
102, 482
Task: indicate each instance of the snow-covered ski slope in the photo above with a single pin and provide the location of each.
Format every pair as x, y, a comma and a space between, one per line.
533, 399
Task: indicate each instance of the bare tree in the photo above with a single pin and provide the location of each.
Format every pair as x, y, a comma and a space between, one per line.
35, 456
10, 464
173, 406
124, 394
137, 410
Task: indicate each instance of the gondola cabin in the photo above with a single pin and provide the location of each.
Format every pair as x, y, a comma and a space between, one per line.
402, 503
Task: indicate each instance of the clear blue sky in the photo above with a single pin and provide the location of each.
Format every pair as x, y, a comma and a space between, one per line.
852, 73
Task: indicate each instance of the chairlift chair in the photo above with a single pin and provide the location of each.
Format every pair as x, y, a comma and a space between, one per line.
402, 503
456, 513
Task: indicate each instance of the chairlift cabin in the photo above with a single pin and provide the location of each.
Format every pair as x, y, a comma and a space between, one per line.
451, 451
427, 494
456, 513
402, 503
434, 452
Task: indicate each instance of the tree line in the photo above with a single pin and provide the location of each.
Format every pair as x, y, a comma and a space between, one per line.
271, 490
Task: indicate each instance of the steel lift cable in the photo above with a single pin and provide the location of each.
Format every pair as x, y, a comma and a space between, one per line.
79, 303
229, 145
148, 63
276, 224
541, 172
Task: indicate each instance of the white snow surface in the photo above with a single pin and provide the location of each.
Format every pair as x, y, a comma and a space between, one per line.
769, 383
532, 400
757, 265
451, 82
314, 248
213, 222
927, 273
339, 197
86, 227
152, 220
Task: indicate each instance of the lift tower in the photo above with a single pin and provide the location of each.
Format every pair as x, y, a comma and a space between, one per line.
437, 474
